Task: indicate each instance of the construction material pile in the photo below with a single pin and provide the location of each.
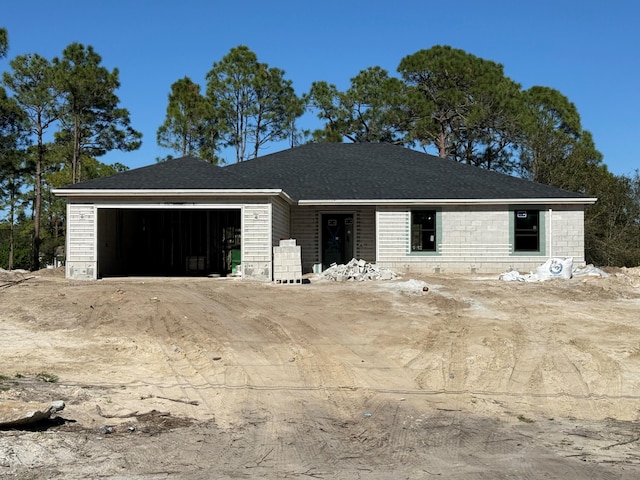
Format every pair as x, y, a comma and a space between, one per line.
554, 268
357, 270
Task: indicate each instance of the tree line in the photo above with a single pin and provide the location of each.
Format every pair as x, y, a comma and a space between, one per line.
442, 100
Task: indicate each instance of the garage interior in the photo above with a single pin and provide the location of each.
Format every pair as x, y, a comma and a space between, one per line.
168, 242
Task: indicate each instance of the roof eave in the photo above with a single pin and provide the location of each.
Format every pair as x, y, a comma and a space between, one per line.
188, 193
453, 201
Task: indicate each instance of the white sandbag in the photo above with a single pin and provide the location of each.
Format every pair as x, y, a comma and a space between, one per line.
555, 268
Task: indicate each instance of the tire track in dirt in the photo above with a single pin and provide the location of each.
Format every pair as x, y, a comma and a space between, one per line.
191, 353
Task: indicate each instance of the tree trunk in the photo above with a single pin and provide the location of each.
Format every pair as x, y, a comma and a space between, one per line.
442, 145
37, 209
11, 228
76, 166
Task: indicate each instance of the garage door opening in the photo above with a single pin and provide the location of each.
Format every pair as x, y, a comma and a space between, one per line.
168, 242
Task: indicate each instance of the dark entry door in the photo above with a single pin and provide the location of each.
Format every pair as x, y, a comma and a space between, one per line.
337, 238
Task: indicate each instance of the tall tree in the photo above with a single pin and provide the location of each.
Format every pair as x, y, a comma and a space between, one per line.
461, 104
612, 224
4, 42
12, 137
190, 126
552, 137
92, 121
33, 87
371, 110
253, 102
556, 150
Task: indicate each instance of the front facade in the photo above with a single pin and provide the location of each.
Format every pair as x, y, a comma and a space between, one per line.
368, 203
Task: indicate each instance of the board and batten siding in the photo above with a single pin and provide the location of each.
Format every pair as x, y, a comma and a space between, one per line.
305, 228
476, 239
256, 242
281, 218
81, 248
365, 221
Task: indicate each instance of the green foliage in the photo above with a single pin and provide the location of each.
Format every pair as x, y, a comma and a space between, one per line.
190, 127
32, 82
92, 122
369, 111
252, 103
552, 138
462, 105
612, 225
12, 137
446, 99
21, 248
4, 42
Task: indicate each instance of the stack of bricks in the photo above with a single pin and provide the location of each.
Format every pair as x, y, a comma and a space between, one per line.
287, 262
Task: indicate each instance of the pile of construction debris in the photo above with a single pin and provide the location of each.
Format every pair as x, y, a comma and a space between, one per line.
357, 270
554, 268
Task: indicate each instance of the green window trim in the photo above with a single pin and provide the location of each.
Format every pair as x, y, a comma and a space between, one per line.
437, 234
542, 233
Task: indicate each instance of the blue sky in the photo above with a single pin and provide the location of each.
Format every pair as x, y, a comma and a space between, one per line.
587, 50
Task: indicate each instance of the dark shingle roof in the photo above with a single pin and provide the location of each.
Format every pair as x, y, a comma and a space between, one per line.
362, 171
337, 171
179, 173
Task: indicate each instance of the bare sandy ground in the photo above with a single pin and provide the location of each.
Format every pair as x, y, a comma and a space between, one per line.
221, 378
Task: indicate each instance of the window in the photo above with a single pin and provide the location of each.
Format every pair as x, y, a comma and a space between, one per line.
423, 231
526, 237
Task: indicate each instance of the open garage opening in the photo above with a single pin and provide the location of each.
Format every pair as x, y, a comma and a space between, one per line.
168, 242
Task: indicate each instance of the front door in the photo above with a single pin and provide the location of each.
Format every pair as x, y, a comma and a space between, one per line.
337, 238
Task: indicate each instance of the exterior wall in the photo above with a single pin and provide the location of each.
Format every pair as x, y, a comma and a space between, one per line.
281, 221
470, 239
81, 249
566, 231
477, 239
305, 228
256, 242
257, 233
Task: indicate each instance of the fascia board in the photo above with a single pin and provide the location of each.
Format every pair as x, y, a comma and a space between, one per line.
461, 201
102, 193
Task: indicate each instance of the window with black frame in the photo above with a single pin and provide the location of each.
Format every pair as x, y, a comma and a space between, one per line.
526, 231
423, 231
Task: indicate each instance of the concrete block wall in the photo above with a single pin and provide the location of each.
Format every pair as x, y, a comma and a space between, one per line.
479, 227
566, 229
477, 240
287, 262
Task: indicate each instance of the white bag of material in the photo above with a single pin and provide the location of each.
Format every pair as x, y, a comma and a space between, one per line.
555, 268
515, 276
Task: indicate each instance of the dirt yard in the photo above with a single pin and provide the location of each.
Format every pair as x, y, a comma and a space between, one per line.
476, 378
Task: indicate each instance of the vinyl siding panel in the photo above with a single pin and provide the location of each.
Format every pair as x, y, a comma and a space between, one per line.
393, 230
257, 241
81, 242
